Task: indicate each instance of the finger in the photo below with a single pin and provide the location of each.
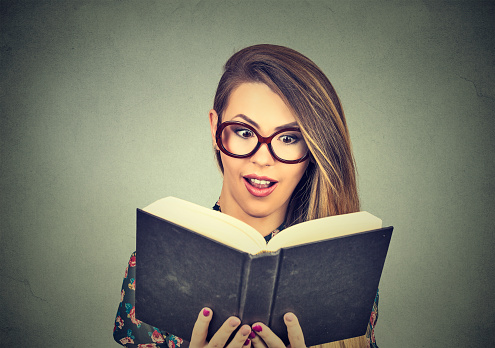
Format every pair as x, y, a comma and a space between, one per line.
271, 340
200, 330
222, 335
241, 338
294, 331
256, 341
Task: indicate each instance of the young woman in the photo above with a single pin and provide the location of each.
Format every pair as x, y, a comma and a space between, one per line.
282, 144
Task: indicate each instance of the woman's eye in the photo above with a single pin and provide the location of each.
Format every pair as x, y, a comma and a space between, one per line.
244, 133
289, 139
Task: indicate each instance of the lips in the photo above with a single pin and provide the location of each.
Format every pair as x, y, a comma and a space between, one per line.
259, 186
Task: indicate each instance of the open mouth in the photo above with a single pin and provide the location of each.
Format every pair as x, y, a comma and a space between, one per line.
261, 184
259, 187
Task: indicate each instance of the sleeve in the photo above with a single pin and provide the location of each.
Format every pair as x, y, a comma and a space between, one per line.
370, 332
130, 331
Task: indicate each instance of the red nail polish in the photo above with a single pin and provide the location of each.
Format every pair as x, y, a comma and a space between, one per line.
252, 334
257, 328
206, 312
247, 342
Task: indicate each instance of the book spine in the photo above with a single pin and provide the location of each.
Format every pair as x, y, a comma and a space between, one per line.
260, 277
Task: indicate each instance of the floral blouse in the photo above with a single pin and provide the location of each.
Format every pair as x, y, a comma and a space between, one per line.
133, 333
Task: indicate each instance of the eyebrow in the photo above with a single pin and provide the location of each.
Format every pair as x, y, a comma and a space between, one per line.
255, 125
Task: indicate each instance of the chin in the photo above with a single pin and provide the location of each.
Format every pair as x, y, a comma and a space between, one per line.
260, 208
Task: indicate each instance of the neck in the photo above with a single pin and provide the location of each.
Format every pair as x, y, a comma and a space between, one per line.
263, 224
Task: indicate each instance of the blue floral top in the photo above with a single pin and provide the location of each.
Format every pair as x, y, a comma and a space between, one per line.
133, 333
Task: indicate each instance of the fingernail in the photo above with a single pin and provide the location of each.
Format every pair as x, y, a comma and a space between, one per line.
234, 322
247, 342
245, 330
257, 328
206, 312
289, 317
252, 335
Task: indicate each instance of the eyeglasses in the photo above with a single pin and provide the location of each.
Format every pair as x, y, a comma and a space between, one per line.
240, 140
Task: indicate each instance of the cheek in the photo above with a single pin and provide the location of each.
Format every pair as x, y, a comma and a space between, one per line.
298, 171
231, 167
293, 176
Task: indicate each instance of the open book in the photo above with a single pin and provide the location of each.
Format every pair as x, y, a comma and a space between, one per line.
326, 271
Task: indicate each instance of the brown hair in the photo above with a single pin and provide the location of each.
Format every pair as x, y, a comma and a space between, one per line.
328, 186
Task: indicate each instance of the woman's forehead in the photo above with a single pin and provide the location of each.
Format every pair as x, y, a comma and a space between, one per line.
257, 104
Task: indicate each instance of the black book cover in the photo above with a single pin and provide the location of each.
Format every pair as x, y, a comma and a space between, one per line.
330, 285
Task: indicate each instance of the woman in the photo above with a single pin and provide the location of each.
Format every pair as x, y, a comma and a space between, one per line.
282, 144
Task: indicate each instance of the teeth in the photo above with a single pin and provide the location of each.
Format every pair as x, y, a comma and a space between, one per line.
259, 182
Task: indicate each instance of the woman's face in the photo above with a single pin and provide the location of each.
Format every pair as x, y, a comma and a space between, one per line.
258, 186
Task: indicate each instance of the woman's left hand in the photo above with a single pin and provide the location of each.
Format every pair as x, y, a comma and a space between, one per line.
266, 338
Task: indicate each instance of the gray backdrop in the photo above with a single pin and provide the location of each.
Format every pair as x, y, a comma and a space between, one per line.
104, 109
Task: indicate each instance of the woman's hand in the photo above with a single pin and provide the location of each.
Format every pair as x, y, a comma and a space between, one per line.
200, 331
266, 338
245, 337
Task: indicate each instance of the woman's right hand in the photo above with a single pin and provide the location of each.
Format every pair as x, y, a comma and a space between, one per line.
220, 338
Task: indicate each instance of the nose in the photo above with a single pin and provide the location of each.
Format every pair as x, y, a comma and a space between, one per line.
263, 157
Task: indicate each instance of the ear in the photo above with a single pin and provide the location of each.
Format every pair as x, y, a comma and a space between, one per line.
213, 126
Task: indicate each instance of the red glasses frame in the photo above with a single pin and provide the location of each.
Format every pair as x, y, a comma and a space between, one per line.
261, 140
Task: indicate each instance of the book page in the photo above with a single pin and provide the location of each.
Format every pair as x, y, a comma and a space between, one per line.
209, 223
324, 228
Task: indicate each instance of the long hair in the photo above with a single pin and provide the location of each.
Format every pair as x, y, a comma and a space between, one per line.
328, 187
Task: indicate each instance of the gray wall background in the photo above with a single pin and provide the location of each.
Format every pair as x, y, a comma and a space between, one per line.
104, 107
